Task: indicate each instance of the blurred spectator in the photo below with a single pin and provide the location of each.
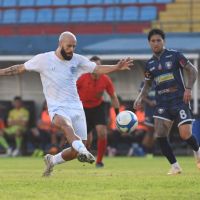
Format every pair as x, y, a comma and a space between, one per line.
112, 115
44, 135
3, 142
138, 134
17, 121
114, 136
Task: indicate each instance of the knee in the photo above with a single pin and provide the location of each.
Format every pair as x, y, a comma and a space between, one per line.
102, 136
102, 133
185, 136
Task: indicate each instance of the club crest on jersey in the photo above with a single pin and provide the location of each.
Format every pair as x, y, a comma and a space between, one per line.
168, 65
73, 69
161, 110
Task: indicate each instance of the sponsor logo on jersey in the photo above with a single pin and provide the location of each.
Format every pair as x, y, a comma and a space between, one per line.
169, 56
73, 69
168, 65
161, 110
164, 77
152, 61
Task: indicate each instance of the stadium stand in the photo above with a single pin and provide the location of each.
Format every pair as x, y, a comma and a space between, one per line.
25, 3
77, 2
185, 21
9, 3
112, 14
44, 15
141, 15
130, 13
148, 13
43, 3
78, 15
27, 16
60, 2
9, 16
19, 15
95, 14
61, 15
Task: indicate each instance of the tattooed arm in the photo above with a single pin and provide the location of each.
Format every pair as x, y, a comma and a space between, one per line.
13, 70
142, 94
191, 73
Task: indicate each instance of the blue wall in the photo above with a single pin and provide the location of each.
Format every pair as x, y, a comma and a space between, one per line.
96, 44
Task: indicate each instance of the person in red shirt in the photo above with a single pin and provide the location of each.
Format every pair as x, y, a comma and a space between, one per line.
91, 88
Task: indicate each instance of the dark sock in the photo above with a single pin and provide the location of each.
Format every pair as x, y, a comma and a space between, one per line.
166, 149
193, 143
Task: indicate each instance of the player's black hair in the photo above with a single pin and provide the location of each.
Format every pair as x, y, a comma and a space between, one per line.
17, 98
156, 31
95, 58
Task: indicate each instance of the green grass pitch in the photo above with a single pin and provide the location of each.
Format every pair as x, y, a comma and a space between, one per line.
121, 179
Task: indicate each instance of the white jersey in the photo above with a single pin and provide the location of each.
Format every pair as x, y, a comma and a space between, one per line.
59, 79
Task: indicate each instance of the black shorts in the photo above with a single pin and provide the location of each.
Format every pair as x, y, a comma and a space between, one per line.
181, 113
95, 116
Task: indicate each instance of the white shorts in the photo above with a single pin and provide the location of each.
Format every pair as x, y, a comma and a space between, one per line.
76, 117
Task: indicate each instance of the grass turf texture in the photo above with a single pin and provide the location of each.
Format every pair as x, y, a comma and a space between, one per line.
121, 179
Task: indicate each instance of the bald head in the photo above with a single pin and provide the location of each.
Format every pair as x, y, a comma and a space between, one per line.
67, 44
66, 35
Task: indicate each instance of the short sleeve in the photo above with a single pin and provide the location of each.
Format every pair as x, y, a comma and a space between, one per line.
35, 63
182, 60
109, 86
86, 66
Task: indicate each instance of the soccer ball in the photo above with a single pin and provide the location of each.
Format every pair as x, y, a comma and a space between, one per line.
126, 121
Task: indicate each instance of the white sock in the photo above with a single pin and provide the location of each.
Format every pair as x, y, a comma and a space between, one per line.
197, 154
79, 146
176, 165
57, 159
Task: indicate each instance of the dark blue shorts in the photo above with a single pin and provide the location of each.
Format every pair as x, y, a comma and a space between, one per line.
179, 113
149, 121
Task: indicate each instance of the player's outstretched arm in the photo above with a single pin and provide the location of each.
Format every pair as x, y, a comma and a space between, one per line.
142, 94
13, 70
123, 64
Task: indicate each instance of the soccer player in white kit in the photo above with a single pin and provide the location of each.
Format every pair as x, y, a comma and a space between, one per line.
59, 71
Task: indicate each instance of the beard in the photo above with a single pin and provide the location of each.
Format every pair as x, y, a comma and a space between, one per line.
65, 56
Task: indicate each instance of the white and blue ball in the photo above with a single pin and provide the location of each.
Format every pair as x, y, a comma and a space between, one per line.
126, 121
